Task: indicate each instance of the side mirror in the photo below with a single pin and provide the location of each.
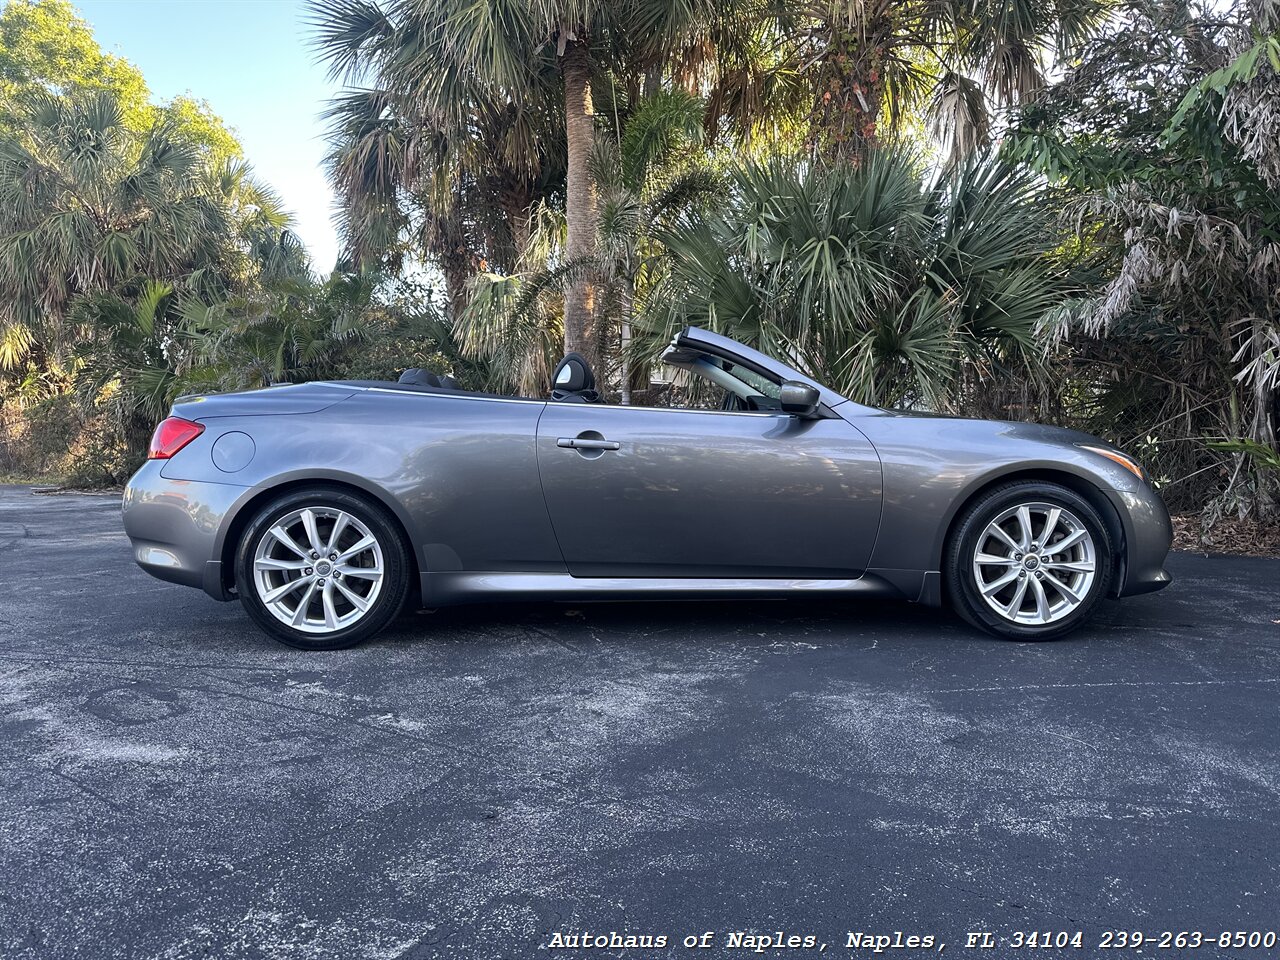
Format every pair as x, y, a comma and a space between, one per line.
799, 399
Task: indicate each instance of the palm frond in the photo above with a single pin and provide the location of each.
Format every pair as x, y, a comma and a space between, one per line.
344, 31
667, 121
869, 276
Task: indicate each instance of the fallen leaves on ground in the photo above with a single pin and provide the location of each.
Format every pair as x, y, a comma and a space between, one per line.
1248, 537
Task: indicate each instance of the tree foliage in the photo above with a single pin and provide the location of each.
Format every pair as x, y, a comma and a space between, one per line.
46, 47
866, 68
140, 258
1166, 135
877, 282
107, 234
89, 205
648, 172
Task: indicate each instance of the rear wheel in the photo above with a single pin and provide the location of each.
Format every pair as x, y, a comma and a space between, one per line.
1029, 560
322, 569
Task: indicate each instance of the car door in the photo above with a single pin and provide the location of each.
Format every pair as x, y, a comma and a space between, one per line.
635, 491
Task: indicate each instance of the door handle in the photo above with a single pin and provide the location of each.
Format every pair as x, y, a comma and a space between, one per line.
587, 443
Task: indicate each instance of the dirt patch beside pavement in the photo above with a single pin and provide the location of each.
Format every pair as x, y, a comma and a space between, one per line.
1230, 535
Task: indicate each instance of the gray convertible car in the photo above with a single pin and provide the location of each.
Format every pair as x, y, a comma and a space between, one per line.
325, 506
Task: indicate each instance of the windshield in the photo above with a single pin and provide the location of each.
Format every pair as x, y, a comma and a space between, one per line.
757, 383
708, 382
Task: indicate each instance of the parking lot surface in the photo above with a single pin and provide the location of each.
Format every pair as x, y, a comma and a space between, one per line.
174, 784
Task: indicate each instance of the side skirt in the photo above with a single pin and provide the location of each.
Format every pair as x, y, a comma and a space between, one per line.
443, 588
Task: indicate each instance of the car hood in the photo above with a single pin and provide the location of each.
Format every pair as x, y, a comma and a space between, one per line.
979, 446
1015, 429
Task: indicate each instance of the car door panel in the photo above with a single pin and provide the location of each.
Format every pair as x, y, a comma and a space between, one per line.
636, 491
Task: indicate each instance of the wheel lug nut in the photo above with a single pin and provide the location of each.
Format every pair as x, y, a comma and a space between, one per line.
307, 571
1039, 574
333, 556
337, 574
320, 582
314, 555
1017, 556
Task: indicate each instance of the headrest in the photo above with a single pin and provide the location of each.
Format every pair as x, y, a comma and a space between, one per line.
573, 375
449, 383
420, 377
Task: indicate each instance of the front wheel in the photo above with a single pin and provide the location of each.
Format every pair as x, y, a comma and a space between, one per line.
1029, 560
322, 569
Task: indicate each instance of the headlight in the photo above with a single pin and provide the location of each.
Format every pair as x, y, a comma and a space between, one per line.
1116, 457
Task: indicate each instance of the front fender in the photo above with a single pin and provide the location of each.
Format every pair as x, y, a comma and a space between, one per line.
934, 466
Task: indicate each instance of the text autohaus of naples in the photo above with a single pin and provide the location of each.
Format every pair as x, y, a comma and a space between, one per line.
740, 940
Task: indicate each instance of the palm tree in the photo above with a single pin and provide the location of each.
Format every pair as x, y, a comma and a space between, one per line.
881, 284
650, 176
429, 154
132, 361
647, 175
511, 40
579, 186
871, 65
444, 68
349, 325
88, 206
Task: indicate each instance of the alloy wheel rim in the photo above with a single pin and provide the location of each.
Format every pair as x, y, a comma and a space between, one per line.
318, 569
1035, 563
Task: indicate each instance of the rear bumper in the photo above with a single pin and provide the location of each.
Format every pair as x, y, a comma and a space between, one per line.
173, 526
1148, 537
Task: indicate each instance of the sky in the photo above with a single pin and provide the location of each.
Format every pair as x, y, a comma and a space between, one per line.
252, 61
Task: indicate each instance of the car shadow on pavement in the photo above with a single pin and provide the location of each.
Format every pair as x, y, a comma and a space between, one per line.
1176, 616
706, 621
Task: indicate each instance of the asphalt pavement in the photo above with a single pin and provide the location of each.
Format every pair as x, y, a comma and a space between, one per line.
487, 782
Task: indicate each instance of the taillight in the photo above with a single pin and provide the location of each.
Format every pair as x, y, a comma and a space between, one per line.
171, 436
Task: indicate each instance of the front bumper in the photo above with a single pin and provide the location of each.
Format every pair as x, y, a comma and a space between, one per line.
1148, 537
173, 526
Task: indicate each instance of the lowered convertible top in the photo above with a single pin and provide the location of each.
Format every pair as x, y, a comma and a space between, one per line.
284, 399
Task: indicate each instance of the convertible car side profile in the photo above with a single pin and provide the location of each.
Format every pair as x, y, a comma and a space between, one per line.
324, 507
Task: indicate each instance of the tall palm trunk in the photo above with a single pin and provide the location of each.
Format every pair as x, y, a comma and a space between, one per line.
445, 243
516, 201
626, 306
457, 277
849, 94
580, 202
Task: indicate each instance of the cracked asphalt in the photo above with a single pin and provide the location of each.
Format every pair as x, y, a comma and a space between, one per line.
174, 784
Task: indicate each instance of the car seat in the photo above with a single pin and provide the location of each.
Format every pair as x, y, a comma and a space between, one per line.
420, 377
573, 381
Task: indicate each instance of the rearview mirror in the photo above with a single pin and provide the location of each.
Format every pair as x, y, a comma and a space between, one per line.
798, 399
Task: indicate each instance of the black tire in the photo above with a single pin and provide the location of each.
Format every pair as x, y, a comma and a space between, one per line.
969, 533
396, 565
